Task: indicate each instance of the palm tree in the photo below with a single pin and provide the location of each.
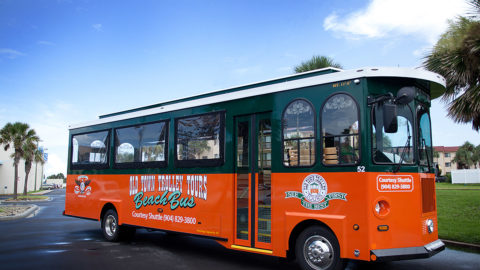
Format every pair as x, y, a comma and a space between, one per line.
15, 135
315, 63
464, 157
476, 156
30, 154
456, 56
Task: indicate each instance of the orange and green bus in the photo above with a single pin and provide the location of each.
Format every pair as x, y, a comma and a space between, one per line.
321, 166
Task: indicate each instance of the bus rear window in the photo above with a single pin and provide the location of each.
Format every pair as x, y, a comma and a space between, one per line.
90, 150
199, 140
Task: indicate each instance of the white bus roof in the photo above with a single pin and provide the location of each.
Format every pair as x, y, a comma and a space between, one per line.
326, 75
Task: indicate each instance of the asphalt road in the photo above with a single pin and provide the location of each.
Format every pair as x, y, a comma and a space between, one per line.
52, 241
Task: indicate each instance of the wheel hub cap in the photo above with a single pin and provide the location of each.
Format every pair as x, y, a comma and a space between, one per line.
110, 225
318, 252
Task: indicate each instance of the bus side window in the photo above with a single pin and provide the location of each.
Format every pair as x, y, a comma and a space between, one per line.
298, 124
141, 145
340, 130
89, 150
199, 140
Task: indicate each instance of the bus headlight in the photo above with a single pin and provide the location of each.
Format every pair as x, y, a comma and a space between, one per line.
430, 226
382, 208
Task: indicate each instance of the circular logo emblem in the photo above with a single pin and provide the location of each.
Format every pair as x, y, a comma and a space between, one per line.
314, 188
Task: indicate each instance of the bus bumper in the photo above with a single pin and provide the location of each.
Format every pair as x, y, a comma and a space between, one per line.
395, 254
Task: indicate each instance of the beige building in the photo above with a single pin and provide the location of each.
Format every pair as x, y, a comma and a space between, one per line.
7, 174
445, 159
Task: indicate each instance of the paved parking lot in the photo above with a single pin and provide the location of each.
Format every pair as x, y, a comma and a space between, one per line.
57, 242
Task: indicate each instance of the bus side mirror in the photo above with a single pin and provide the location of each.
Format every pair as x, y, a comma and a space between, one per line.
405, 95
390, 118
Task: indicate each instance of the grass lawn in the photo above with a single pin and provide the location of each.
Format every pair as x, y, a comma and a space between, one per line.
30, 192
30, 197
459, 212
456, 186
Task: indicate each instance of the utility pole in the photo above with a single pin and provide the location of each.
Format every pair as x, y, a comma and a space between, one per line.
36, 163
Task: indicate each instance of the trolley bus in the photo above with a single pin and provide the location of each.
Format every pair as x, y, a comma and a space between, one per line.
320, 166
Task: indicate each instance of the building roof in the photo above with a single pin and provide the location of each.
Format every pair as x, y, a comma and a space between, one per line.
446, 148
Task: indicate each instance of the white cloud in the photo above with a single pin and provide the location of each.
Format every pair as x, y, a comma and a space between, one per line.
10, 53
55, 165
421, 52
382, 18
46, 43
51, 122
98, 27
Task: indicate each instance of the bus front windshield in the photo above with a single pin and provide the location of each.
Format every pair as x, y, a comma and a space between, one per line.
397, 147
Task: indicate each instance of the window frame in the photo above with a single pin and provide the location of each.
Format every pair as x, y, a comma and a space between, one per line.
201, 162
314, 134
140, 164
359, 134
96, 166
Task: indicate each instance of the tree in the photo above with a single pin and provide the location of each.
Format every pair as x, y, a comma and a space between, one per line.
56, 176
464, 156
315, 63
476, 156
456, 56
16, 135
30, 154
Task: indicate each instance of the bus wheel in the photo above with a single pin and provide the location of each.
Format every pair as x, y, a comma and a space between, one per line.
110, 228
317, 249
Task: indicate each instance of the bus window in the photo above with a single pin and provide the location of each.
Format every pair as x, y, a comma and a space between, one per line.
298, 134
389, 147
89, 149
141, 144
340, 128
425, 138
199, 140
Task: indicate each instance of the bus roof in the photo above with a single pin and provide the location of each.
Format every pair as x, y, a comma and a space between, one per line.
305, 79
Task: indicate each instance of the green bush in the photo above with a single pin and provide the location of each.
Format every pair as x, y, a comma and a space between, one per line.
449, 177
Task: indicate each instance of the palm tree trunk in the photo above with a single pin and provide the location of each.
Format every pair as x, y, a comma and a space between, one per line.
28, 167
15, 184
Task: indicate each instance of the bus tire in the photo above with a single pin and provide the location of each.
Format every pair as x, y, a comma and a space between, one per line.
110, 227
317, 248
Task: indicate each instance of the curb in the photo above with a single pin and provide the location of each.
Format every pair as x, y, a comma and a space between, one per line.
462, 244
29, 211
42, 192
29, 201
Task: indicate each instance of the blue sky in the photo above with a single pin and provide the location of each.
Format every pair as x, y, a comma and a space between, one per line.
65, 62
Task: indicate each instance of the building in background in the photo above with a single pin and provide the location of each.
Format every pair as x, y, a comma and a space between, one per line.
445, 162
7, 174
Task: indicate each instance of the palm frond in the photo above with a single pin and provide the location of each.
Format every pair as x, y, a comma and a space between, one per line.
316, 62
456, 56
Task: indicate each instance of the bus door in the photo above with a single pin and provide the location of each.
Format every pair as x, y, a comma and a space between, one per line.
253, 162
